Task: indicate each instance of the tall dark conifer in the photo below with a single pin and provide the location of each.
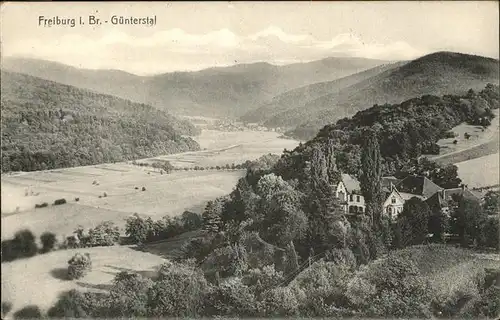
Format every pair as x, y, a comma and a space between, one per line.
371, 175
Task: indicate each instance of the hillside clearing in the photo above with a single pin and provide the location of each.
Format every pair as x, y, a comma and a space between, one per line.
40, 279
165, 195
480, 172
479, 144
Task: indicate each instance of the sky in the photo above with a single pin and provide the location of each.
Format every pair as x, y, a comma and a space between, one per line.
196, 35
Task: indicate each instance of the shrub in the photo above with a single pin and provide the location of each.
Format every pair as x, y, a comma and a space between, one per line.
77, 199
104, 234
179, 292
138, 229
28, 312
490, 231
59, 202
6, 308
143, 188
22, 246
75, 304
191, 221
231, 298
129, 296
392, 287
280, 302
42, 205
79, 265
455, 141
48, 240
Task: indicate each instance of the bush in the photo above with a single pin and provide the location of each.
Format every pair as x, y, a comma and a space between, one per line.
179, 292
75, 304
22, 246
191, 221
104, 234
77, 199
42, 205
280, 302
79, 265
392, 287
29, 312
129, 296
48, 240
231, 298
139, 230
6, 308
491, 233
59, 202
143, 188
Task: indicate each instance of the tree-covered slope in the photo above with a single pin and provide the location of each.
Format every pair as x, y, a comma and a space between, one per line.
299, 97
435, 74
48, 125
220, 92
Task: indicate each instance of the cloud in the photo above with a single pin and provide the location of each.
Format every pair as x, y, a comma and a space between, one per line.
175, 49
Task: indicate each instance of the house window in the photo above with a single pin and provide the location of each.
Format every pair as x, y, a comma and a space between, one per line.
357, 198
389, 209
393, 200
351, 197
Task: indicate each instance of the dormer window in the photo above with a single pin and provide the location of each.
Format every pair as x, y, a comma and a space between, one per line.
357, 198
351, 197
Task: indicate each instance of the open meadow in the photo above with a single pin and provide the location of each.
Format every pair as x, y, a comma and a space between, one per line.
480, 143
114, 191
223, 147
40, 279
480, 172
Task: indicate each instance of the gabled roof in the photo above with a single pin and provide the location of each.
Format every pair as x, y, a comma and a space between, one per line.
441, 199
403, 195
351, 183
465, 192
418, 185
386, 182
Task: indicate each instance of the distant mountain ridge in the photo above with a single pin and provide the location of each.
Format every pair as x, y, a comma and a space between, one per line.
436, 74
220, 92
48, 125
298, 97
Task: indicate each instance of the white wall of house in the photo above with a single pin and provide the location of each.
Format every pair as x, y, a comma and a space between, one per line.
393, 205
356, 200
352, 199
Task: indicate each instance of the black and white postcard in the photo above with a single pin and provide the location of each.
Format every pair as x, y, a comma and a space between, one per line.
315, 159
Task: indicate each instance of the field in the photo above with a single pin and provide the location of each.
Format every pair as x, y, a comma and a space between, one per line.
221, 148
480, 172
40, 279
165, 194
480, 143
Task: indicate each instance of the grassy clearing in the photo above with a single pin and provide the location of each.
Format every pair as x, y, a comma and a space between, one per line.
479, 144
40, 279
169, 194
480, 172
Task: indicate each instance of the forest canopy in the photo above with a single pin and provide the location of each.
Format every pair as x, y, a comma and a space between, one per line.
46, 125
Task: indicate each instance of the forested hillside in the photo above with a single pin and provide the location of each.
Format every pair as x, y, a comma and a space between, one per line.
219, 92
406, 131
299, 97
435, 74
47, 125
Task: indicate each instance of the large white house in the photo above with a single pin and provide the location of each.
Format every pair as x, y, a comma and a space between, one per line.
348, 192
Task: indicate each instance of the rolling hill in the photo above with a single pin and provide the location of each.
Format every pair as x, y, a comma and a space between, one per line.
221, 92
435, 74
299, 97
47, 125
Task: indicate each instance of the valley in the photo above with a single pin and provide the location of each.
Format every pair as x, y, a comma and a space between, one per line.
165, 194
